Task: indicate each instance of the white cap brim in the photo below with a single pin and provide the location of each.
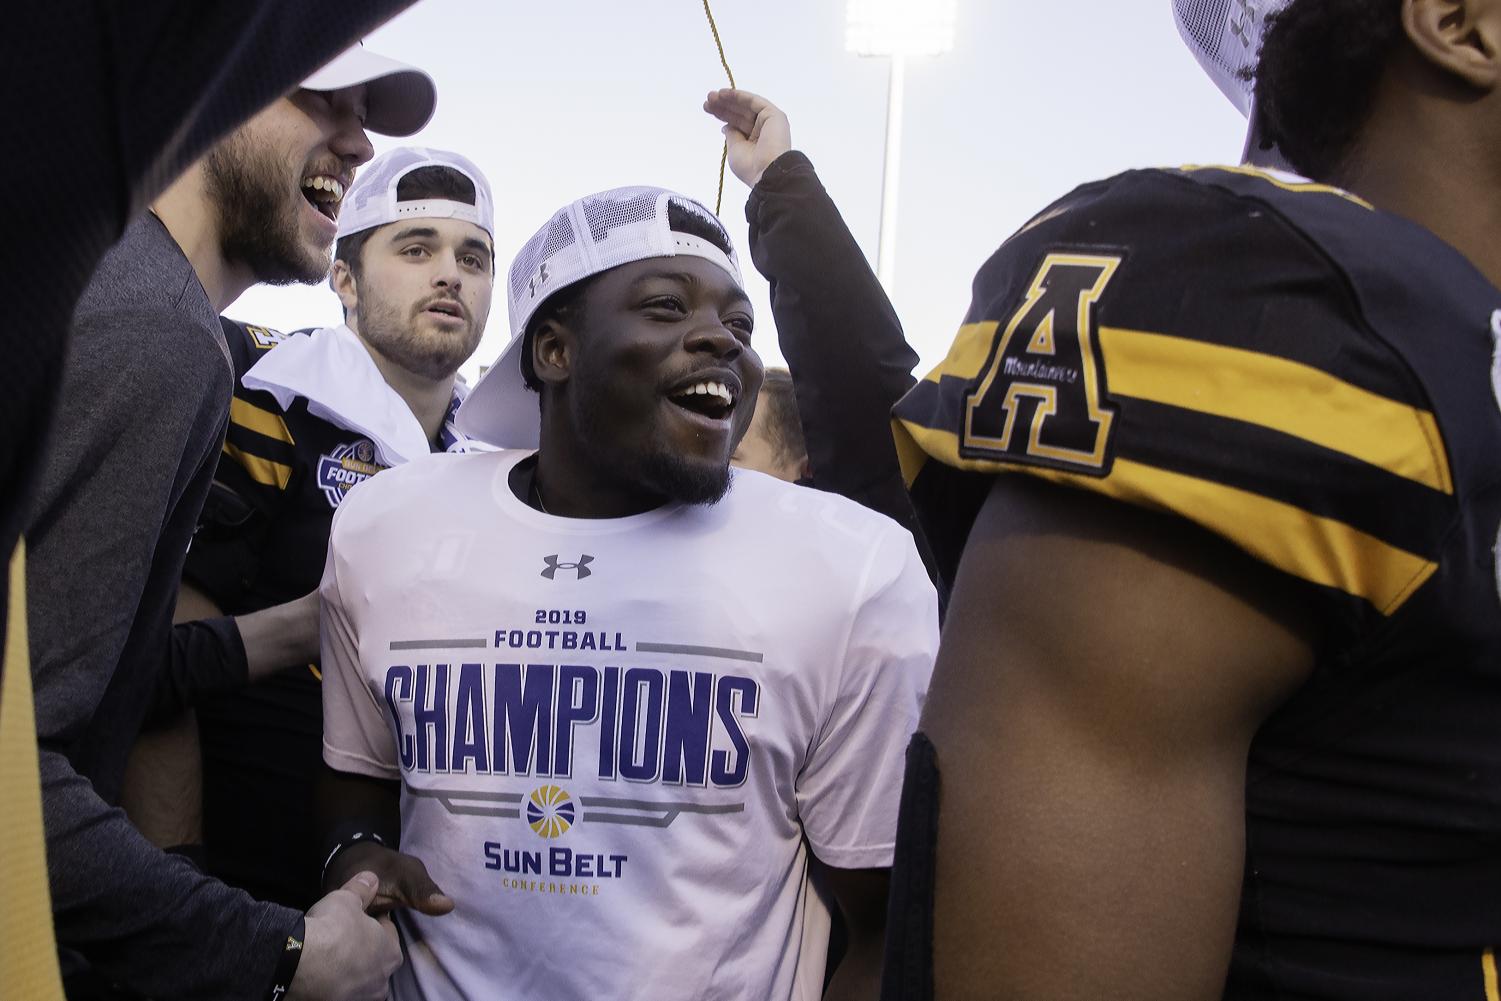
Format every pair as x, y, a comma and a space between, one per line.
401, 99
500, 410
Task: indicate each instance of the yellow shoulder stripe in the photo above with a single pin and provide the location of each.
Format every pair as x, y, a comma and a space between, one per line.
1276, 393
263, 471
1261, 389
1287, 182
969, 352
262, 422
1306, 545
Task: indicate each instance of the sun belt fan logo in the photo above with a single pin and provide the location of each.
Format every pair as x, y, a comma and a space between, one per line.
346, 467
550, 811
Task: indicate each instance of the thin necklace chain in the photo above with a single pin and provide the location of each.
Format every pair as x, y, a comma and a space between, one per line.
537, 494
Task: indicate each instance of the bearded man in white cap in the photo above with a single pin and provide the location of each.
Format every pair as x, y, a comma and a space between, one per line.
623, 701
145, 400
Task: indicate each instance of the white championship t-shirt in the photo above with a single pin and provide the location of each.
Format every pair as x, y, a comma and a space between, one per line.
614, 736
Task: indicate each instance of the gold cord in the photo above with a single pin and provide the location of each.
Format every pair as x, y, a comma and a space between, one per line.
724, 154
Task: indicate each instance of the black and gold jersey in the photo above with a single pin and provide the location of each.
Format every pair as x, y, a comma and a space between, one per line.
282, 474
1313, 380
261, 541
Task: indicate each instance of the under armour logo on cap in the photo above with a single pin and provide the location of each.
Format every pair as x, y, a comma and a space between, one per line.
540, 278
553, 566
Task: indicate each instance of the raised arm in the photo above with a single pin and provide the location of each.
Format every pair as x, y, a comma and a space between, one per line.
1102, 674
843, 343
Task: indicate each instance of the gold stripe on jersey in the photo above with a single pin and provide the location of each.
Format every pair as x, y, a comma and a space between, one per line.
1279, 394
262, 471
262, 422
1488, 974
1286, 183
1261, 389
28, 951
1309, 546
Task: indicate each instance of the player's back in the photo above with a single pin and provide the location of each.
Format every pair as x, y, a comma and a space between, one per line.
1312, 380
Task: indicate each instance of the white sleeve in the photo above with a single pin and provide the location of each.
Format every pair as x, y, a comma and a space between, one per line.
356, 735
850, 788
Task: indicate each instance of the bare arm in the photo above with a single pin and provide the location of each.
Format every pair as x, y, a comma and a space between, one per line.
163, 787
1102, 673
861, 896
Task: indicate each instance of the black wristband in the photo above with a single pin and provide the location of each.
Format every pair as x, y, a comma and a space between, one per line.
286, 964
348, 841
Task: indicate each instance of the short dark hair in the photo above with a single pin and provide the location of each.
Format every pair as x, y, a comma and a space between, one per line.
784, 428
566, 305
1316, 79
432, 181
682, 219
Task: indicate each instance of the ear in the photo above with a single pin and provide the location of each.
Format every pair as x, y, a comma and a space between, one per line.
553, 352
1459, 37
341, 279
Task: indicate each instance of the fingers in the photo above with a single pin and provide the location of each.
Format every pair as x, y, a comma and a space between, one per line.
419, 891
737, 108
388, 929
364, 885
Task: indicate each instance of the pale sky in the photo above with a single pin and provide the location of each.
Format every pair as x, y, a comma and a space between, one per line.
560, 99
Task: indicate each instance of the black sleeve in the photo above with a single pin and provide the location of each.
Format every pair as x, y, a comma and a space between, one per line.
207, 656
844, 345
256, 469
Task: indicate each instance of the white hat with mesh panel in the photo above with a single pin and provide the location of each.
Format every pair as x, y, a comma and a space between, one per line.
1225, 36
371, 200
582, 239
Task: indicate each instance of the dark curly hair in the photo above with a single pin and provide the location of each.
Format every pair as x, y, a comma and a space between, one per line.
1321, 61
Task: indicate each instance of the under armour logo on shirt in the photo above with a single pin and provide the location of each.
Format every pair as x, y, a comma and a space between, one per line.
553, 566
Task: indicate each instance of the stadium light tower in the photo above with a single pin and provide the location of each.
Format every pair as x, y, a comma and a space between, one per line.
898, 30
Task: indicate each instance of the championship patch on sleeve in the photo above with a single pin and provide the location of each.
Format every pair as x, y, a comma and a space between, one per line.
1040, 397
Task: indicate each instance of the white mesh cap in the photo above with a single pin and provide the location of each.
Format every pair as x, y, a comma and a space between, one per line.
371, 200
584, 238
400, 99
1225, 36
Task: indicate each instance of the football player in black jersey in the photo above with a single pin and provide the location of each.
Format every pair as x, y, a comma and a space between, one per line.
1216, 460
315, 414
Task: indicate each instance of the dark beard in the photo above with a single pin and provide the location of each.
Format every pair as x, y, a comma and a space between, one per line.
683, 481
383, 329
657, 469
258, 216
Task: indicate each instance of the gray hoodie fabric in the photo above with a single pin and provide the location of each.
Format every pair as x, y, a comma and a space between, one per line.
140, 421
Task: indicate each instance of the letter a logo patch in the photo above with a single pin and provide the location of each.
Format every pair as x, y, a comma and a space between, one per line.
581, 568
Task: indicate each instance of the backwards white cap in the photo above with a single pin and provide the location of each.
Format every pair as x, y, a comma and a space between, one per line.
401, 98
371, 200
1225, 36
582, 239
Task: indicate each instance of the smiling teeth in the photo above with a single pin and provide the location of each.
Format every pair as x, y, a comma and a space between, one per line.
324, 183
718, 389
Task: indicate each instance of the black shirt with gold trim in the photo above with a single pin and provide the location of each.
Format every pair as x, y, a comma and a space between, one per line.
262, 541
1278, 362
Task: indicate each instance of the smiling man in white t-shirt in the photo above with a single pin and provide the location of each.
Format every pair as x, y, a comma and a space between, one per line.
621, 701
